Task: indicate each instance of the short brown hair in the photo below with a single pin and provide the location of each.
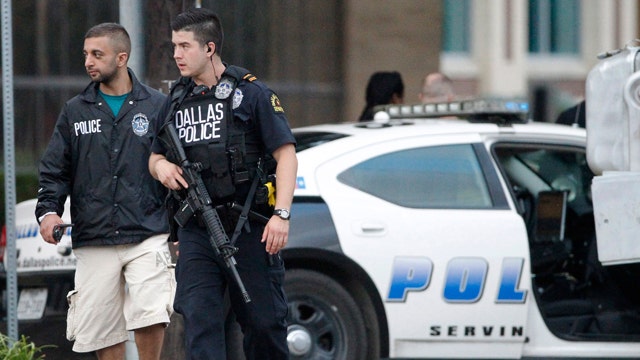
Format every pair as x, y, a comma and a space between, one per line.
116, 32
204, 24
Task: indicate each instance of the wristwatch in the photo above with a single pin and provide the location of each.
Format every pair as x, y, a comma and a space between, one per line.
282, 213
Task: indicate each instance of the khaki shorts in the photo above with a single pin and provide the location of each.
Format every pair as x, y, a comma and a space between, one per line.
119, 288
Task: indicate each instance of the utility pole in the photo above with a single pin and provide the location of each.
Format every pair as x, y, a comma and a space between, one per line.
132, 20
9, 171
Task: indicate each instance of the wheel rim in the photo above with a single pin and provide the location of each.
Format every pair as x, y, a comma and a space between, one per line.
299, 340
315, 331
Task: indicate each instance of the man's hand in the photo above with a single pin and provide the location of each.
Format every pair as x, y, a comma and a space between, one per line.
168, 173
275, 234
46, 227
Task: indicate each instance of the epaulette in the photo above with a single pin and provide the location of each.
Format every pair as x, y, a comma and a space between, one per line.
239, 73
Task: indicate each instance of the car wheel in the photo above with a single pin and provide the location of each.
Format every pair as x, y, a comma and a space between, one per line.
324, 320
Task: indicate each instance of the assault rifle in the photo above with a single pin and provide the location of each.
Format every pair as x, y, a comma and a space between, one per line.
198, 201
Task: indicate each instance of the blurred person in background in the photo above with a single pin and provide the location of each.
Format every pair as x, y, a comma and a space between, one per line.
384, 87
436, 87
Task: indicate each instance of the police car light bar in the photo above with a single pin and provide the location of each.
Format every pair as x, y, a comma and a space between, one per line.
462, 108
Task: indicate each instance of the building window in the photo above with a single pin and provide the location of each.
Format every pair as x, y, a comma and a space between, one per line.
456, 29
554, 27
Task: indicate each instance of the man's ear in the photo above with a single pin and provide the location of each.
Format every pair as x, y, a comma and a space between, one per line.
123, 58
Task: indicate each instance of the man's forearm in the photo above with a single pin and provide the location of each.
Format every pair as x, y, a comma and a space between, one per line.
153, 160
286, 171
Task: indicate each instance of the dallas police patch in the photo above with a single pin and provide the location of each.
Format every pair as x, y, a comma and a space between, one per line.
275, 103
140, 124
237, 98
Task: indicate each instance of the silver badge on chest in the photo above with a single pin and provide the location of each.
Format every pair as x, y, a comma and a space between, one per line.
224, 88
140, 124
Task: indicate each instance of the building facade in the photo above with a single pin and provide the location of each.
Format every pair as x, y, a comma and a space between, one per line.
518, 47
319, 54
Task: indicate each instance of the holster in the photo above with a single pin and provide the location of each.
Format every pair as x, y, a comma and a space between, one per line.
184, 213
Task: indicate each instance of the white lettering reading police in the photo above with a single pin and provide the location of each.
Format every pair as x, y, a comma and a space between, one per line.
87, 127
196, 124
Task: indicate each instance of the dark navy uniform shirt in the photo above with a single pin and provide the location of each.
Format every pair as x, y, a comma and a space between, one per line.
255, 106
258, 111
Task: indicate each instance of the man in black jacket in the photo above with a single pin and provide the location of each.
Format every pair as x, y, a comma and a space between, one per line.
98, 156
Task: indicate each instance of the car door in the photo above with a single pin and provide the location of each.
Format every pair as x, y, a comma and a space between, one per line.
428, 219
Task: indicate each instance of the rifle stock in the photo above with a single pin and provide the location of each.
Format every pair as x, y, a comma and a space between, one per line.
198, 201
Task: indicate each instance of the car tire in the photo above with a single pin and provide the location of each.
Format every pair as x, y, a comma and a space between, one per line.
323, 316
324, 320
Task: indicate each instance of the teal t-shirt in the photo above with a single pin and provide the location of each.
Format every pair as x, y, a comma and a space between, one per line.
114, 101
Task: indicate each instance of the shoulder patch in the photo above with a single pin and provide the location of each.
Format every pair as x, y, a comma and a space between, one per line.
237, 98
275, 104
249, 77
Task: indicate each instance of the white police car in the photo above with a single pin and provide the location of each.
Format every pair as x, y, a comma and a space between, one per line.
45, 271
452, 230
45, 276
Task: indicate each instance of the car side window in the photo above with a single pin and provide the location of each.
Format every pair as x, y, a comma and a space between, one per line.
429, 177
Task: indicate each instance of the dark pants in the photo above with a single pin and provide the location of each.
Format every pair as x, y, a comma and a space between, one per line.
202, 279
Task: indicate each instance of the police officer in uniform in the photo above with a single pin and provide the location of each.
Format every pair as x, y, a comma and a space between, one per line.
235, 127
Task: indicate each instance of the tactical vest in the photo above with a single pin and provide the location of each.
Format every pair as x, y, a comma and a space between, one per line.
228, 149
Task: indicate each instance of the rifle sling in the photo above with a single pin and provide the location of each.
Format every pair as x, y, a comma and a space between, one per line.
242, 220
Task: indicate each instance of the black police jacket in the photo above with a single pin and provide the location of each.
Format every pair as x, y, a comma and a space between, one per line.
101, 162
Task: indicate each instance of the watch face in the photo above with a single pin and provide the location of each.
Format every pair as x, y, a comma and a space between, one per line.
282, 213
